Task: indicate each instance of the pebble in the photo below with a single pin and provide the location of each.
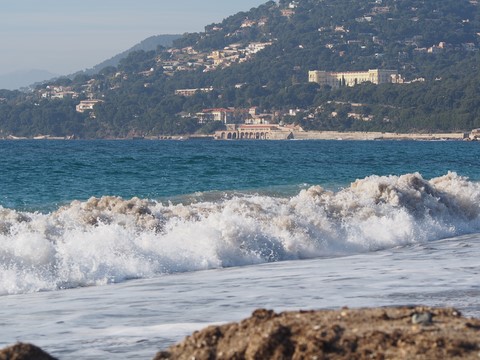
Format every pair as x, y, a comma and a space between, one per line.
424, 318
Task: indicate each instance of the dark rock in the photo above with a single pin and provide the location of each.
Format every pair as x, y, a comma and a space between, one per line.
21, 351
379, 333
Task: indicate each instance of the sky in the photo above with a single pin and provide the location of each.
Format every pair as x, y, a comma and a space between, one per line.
65, 36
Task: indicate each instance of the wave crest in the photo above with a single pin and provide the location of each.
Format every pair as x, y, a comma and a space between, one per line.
110, 239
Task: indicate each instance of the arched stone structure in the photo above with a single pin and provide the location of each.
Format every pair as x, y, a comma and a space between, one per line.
253, 132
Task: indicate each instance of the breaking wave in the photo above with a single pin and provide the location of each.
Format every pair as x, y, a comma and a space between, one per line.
110, 239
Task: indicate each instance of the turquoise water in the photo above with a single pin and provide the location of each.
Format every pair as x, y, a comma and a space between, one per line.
42, 175
218, 229
83, 213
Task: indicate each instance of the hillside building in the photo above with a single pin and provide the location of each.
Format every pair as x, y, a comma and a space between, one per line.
352, 78
86, 105
220, 114
191, 92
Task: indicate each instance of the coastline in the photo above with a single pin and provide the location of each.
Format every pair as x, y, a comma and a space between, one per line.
296, 135
352, 135
338, 135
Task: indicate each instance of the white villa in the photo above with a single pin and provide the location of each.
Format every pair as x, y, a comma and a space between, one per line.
352, 78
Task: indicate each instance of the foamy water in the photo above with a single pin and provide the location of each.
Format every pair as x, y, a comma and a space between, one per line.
166, 237
110, 239
135, 319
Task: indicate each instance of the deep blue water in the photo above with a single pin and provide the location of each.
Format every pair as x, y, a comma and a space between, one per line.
41, 175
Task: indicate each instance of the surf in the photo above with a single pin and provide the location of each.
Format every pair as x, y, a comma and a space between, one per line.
110, 239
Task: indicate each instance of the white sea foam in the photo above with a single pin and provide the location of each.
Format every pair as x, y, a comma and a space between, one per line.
110, 239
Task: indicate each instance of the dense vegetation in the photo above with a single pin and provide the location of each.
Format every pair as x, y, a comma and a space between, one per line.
332, 35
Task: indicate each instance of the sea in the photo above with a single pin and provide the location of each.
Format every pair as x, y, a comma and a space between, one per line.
117, 249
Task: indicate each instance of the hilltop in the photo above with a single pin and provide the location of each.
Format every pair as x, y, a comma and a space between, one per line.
254, 67
150, 43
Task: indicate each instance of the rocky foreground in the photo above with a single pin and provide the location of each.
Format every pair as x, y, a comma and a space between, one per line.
379, 333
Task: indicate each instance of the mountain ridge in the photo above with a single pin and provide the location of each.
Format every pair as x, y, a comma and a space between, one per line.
150, 43
32, 77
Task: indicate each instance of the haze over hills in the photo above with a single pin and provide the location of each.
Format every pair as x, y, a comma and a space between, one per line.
262, 58
19, 79
25, 78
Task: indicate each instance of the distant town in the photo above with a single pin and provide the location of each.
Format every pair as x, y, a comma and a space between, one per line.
182, 82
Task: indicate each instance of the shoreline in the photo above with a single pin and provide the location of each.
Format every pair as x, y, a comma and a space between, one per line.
369, 136
297, 135
397, 333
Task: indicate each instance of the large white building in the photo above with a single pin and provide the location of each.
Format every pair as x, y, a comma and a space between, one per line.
220, 114
352, 78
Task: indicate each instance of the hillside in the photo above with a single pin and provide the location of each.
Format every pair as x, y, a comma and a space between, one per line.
150, 43
262, 59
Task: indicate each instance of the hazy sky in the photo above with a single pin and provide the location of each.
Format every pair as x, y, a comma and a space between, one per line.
63, 36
